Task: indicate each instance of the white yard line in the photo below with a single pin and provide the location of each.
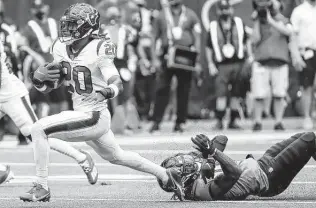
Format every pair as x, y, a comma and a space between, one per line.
97, 164
157, 151
108, 177
242, 137
149, 200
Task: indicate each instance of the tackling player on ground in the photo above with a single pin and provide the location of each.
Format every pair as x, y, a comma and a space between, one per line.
266, 177
93, 79
15, 102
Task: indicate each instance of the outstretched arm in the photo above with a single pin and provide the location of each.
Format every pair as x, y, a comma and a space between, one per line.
224, 182
231, 171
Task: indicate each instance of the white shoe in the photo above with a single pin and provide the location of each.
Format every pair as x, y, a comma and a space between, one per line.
89, 168
308, 124
6, 175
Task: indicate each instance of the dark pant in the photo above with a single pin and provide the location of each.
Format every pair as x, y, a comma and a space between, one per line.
163, 90
307, 76
229, 74
283, 161
144, 93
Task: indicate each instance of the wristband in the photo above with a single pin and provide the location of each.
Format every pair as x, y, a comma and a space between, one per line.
110, 91
115, 89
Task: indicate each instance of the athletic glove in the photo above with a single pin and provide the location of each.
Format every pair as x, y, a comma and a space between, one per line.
204, 145
48, 72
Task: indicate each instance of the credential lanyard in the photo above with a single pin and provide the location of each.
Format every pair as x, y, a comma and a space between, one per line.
171, 23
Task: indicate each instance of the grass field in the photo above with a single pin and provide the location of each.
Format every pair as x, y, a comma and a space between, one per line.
122, 187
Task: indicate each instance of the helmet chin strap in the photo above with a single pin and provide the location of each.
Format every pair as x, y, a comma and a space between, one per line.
70, 42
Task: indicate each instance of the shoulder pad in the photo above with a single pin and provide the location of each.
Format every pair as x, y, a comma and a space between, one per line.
106, 48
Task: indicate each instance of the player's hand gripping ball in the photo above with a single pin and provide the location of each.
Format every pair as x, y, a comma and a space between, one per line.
50, 74
204, 145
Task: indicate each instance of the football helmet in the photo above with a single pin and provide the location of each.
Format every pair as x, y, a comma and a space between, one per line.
78, 21
187, 164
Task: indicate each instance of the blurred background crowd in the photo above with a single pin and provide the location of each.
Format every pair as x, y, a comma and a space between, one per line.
182, 59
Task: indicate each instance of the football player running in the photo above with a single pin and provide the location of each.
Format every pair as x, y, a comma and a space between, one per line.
266, 177
87, 61
15, 102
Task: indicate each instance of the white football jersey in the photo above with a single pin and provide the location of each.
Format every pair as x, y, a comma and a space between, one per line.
10, 85
88, 70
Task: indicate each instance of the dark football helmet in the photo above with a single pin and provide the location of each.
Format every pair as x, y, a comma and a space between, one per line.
78, 21
187, 164
192, 165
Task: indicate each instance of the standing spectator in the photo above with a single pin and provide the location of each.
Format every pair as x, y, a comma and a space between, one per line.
41, 31
226, 45
271, 52
145, 74
303, 51
179, 29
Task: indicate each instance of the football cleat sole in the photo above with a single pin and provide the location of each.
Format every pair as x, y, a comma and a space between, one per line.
30, 197
45, 198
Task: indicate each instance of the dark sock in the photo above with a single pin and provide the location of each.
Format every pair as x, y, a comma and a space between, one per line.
22, 138
233, 115
220, 115
29, 137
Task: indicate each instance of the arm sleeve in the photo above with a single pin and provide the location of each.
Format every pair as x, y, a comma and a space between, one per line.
107, 68
106, 60
225, 181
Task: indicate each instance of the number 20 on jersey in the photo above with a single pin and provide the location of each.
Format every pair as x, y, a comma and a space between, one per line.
81, 77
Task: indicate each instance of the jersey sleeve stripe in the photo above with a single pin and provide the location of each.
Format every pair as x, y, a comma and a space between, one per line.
29, 109
74, 125
99, 46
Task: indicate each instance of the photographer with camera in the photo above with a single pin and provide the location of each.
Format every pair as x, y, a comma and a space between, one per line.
271, 52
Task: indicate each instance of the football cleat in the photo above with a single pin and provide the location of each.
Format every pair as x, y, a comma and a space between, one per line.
175, 181
6, 175
36, 194
89, 168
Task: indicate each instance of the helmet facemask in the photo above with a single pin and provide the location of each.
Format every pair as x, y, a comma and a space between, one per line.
73, 30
